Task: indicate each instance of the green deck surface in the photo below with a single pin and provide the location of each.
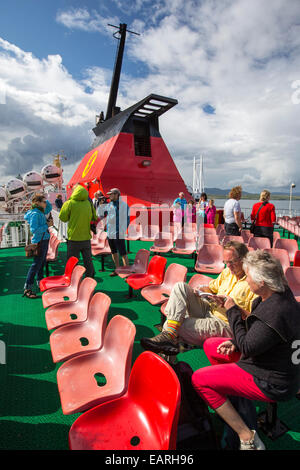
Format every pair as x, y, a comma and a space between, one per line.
30, 411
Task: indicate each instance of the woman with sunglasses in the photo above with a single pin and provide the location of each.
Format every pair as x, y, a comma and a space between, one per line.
36, 218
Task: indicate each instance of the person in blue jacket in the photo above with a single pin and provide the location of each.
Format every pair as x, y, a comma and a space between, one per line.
39, 229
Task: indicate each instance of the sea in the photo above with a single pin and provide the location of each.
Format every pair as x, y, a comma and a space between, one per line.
281, 206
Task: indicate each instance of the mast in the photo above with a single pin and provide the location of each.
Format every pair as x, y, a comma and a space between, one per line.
112, 100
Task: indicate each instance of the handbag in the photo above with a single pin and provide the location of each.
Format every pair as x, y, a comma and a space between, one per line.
252, 226
33, 249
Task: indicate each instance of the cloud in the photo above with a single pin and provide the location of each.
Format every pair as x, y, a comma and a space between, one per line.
82, 19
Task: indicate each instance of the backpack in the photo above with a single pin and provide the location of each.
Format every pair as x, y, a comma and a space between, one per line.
195, 430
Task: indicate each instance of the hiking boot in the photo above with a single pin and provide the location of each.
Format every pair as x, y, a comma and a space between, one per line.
254, 444
163, 342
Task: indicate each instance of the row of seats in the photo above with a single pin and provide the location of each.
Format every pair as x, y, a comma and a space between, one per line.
96, 372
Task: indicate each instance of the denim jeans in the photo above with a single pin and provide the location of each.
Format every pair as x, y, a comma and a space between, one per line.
37, 267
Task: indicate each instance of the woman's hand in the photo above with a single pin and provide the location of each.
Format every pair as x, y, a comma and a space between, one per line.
226, 348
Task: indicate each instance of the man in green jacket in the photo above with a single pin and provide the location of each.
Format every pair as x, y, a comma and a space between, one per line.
78, 211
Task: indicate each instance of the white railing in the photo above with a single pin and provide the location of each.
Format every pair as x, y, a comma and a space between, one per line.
61, 227
14, 233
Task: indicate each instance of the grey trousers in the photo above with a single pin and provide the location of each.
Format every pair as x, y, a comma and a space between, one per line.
75, 248
197, 321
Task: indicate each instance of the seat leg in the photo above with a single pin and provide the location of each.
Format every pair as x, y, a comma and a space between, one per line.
270, 424
47, 269
102, 263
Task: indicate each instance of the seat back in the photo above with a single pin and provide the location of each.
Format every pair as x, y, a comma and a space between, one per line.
292, 275
287, 244
210, 238
198, 280
118, 343
186, 241
297, 258
246, 235
281, 255
86, 289
141, 259
259, 243
210, 254
276, 235
163, 240
219, 228
134, 230
157, 266
76, 276
149, 231
209, 230
70, 265
99, 307
175, 273
155, 388
229, 238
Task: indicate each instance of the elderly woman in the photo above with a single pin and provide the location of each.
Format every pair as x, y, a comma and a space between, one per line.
262, 345
263, 213
233, 213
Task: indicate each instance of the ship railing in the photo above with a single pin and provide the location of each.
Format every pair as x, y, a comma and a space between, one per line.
61, 227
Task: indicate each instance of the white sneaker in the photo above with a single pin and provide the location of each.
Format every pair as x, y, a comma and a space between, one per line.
254, 444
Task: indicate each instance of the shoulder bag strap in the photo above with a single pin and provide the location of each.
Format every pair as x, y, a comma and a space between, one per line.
263, 204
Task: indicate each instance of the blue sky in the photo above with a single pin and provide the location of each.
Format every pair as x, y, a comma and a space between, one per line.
233, 66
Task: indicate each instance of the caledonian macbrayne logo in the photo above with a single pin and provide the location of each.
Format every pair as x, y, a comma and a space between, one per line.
90, 163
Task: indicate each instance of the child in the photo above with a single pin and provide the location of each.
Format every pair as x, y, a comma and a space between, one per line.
210, 212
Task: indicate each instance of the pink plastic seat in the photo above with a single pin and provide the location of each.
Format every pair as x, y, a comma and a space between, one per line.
210, 239
146, 417
68, 312
231, 238
290, 245
53, 250
57, 294
154, 275
157, 294
185, 244
105, 250
219, 228
292, 275
210, 259
134, 232
259, 243
93, 378
149, 232
276, 235
139, 266
163, 243
281, 255
246, 235
59, 281
195, 281
98, 240
210, 230
72, 340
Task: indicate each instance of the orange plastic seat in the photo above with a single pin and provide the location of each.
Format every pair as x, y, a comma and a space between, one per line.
290, 245
57, 294
145, 418
93, 378
72, 340
59, 281
210, 259
154, 275
139, 266
297, 258
281, 255
292, 275
185, 244
157, 294
163, 242
149, 232
259, 243
68, 312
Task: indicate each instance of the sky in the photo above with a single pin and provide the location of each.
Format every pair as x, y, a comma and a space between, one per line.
233, 66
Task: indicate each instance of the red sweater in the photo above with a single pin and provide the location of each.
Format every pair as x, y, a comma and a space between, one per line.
266, 216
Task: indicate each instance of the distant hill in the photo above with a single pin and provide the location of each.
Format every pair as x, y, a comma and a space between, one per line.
223, 194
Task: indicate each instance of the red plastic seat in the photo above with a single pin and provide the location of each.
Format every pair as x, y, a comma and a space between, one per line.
93, 378
57, 294
72, 340
185, 244
149, 232
163, 243
195, 281
297, 258
59, 281
154, 275
209, 226
145, 418
138, 267
259, 243
157, 294
210, 259
290, 245
292, 275
281, 255
66, 313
